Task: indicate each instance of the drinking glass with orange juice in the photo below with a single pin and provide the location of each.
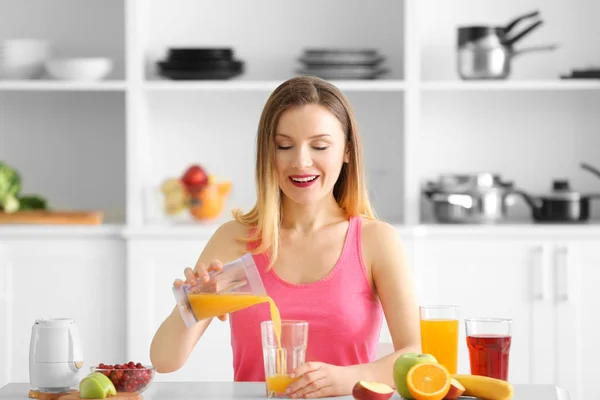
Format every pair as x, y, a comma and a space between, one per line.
439, 334
282, 353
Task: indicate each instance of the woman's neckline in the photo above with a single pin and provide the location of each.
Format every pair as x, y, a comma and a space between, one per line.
330, 274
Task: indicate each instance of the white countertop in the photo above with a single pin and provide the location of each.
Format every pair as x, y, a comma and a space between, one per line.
256, 390
205, 231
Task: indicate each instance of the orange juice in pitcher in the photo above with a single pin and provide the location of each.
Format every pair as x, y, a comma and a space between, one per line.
238, 285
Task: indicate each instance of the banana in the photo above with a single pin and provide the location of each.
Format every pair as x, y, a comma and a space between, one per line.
176, 196
485, 388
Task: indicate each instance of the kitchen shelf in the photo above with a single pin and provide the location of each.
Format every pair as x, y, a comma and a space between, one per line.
48, 85
511, 85
30, 231
417, 121
269, 85
204, 231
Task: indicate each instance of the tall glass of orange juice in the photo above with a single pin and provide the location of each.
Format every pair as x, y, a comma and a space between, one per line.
439, 334
282, 354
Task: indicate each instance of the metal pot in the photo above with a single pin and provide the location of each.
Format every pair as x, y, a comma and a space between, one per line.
476, 199
486, 52
562, 204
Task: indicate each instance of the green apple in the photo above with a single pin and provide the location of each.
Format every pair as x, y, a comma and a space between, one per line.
106, 383
96, 386
401, 367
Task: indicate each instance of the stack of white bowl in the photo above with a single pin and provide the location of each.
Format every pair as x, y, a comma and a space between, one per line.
79, 69
24, 59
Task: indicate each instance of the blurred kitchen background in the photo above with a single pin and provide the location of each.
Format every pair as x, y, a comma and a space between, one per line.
481, 139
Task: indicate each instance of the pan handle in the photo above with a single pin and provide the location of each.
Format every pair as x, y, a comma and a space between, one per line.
549, 47
591, 169
514, 22
510, 41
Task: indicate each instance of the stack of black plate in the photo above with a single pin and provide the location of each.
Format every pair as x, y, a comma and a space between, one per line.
342, 63
200, 63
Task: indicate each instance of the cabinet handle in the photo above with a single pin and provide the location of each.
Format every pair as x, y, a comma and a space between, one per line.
561, 265
5, 276
539, 274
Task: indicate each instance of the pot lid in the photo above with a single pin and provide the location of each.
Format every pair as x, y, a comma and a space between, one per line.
460, 183
561, 190
470, 34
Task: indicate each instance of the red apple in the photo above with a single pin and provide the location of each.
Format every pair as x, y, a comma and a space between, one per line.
456, 390
371, 391
194, 178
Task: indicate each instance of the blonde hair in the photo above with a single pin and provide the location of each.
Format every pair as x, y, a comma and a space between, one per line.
349, 191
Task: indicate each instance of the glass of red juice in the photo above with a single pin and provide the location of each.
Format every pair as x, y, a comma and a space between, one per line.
488, 340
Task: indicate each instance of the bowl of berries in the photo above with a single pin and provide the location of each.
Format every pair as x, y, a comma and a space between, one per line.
130, 377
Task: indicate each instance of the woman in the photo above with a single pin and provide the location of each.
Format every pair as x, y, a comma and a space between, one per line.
318, 247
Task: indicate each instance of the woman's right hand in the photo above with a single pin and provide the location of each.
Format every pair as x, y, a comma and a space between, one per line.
200, 272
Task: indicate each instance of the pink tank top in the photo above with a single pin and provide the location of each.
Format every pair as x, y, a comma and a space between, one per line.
344, 316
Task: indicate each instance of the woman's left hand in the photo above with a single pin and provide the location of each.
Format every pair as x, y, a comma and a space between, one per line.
318, 379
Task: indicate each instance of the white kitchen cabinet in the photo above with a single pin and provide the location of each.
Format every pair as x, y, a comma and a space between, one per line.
5, 316
153, 265
576, 299
76, 277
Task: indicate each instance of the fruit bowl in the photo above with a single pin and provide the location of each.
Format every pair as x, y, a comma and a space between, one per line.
130, 377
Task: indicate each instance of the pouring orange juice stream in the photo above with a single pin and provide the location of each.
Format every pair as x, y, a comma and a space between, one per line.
206, 305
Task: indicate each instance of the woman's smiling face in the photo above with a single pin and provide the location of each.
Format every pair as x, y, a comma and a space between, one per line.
310, 151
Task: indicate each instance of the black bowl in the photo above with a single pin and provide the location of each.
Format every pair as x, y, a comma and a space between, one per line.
200, 65
199, 53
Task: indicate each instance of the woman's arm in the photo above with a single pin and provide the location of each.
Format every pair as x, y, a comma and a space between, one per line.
173, 342
393, 283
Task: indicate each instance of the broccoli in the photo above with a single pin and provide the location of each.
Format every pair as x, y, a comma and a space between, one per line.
10, 186
32, 203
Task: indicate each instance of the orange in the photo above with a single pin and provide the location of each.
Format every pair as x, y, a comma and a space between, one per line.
428, 381
209, 202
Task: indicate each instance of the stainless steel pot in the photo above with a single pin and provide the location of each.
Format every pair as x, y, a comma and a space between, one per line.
489, 63
486, 52
476, 199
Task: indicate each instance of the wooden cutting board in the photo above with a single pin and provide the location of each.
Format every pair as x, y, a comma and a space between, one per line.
119, 396
52, 217
36, 394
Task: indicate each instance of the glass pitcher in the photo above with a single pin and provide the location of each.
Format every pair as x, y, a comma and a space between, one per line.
238, 285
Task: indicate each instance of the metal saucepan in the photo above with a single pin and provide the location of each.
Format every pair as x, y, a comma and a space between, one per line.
562, 204
486, 52
469, 199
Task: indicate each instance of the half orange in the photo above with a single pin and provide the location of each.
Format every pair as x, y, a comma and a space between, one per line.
428, 381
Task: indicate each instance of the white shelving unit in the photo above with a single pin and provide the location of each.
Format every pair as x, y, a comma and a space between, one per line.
418, 121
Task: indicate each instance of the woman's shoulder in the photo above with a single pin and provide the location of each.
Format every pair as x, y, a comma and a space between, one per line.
233, 229
377, 229
380, 240
227, 241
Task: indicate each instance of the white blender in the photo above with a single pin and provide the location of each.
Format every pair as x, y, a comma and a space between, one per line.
55, 355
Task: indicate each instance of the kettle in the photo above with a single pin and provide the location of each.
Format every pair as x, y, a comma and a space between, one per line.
55, 355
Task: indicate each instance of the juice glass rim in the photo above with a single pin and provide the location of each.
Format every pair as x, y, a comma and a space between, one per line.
501, 320
286, 322
441, 306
